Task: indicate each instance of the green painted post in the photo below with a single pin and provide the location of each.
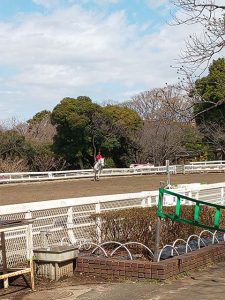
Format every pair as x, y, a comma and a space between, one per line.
177, 212
217, 218
196, 212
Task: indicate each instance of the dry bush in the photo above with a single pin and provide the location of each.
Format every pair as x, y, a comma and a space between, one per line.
13, 164
46, 162
139, 224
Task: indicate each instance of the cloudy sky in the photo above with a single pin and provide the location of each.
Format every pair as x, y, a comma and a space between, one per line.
108, 50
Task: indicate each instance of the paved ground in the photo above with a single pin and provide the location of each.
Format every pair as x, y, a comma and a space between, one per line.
202, 285
28, 192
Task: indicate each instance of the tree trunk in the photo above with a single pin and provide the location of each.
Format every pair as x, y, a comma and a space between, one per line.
80, 162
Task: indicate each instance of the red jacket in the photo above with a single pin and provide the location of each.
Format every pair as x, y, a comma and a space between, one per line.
98, 157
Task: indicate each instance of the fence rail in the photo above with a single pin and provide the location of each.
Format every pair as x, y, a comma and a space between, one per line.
71, 219
193, 220
194, 167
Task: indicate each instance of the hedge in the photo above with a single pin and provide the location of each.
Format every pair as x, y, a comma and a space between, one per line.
139, 224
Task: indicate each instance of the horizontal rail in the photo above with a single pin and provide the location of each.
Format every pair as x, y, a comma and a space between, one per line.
64, 203
176, 216
194, 167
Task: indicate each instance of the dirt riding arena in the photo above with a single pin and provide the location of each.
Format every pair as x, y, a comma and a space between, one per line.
39, 191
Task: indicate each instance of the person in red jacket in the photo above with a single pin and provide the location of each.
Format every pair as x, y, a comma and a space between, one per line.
98, 156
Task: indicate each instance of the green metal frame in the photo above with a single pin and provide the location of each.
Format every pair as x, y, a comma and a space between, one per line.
197, 203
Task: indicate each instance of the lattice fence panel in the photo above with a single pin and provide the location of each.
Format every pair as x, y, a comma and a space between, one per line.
53, 221
122, 204
16, 248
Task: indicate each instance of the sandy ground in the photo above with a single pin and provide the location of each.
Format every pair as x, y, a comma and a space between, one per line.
40, 191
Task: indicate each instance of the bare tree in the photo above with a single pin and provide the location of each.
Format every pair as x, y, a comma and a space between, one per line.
45, 162
211, 15
170, 103
164, 141
41, 131
158, 141
13, 164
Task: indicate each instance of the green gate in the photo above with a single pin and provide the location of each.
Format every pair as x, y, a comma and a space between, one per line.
197, 205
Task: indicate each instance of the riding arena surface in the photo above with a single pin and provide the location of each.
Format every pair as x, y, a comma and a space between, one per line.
40, 191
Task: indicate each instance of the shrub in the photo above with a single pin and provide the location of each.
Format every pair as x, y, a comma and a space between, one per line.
139, 224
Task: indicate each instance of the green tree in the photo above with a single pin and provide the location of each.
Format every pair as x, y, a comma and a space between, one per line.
84, 127
13, 144
209, 111
119, 144
74, 124
15, 152
210, 91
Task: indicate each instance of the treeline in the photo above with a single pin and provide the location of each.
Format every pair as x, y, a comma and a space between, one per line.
153, 126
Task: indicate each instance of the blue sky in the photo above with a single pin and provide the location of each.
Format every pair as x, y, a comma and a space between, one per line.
108, 50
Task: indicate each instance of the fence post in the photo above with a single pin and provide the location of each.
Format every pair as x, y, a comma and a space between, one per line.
143, 202
29, 235
168, 172
70, 226
149, 201
197, 195
98, 223
158, 227
222, 195
190, 196
157, 239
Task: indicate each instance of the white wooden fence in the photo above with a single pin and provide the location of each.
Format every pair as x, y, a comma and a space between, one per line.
195, 167
70, 219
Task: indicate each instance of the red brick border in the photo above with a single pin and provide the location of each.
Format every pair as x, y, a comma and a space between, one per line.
129, 269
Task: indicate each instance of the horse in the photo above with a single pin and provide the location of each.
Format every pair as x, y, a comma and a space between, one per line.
98, 168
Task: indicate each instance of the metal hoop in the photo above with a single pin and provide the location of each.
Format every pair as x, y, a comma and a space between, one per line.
166, 246
191, 236
130, 243
174, 243
113, 242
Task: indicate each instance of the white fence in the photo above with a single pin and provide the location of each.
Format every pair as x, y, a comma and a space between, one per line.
85, 173
195, 167
71, 219
210, 162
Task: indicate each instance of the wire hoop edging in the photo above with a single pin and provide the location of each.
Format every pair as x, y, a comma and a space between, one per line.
130, 243
212, 234
96, 247
199, 241
174, 243
112, 242
166, 246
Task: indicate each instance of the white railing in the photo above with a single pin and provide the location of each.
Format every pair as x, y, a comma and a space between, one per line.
204, 168
214, 162
195, 167
71, 219
86, 173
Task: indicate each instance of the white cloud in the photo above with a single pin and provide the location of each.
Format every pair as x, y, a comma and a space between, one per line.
99, 2
153, 4
107, 1
47, 3
56, 3
73, 52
